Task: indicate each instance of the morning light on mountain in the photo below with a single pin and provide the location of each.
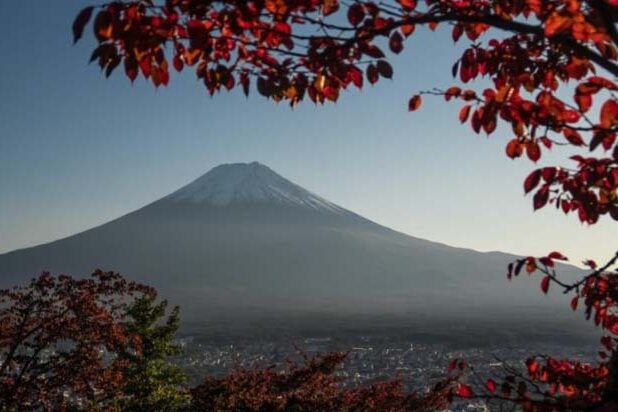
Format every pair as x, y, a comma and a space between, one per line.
277, 205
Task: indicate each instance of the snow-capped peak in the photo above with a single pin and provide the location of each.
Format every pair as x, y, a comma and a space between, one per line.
247, 183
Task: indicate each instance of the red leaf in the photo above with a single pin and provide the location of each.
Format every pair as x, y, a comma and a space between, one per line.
131, 68
530, 265
103, 25
584, 101
547, 261
464, 113
573, 137
112, 64
532, 181
331, 93
540, 198
457, 32
373, 51
356, 14
549, 173
80, 22
545, 284
477, 118
533, 366
451, 92
571, 116
574, 302
146, 65
356, 75
533, 151
385, 69
283, 28
557, 256
490, 385
556, 23
597, 139
414, 103
396, 43
464, 391
264, 87
372, 74
609, 113
602, 82
514, 148
546, 142
177, 62
408, 4
407, 29
329, 7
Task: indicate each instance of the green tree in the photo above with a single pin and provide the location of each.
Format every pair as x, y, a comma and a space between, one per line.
153, 383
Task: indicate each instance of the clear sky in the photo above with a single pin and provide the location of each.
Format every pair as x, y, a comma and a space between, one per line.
77, 150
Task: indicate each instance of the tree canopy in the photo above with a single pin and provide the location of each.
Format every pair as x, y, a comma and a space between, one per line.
87, 344
548, 64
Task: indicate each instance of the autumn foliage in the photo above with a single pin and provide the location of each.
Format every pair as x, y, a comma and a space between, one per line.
85, 344
311, 386
55, 327
550, 384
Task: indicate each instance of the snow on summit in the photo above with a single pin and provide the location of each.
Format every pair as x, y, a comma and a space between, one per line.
248, 183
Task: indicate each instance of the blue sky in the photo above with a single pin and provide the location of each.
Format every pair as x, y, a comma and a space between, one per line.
77, 150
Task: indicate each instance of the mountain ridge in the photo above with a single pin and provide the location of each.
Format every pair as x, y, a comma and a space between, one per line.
221, 254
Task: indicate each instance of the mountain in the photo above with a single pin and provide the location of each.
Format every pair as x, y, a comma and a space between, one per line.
242, 239
251, 183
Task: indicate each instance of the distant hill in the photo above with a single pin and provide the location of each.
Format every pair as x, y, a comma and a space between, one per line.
244, 241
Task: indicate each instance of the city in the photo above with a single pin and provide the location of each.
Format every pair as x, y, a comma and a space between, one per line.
370, 359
